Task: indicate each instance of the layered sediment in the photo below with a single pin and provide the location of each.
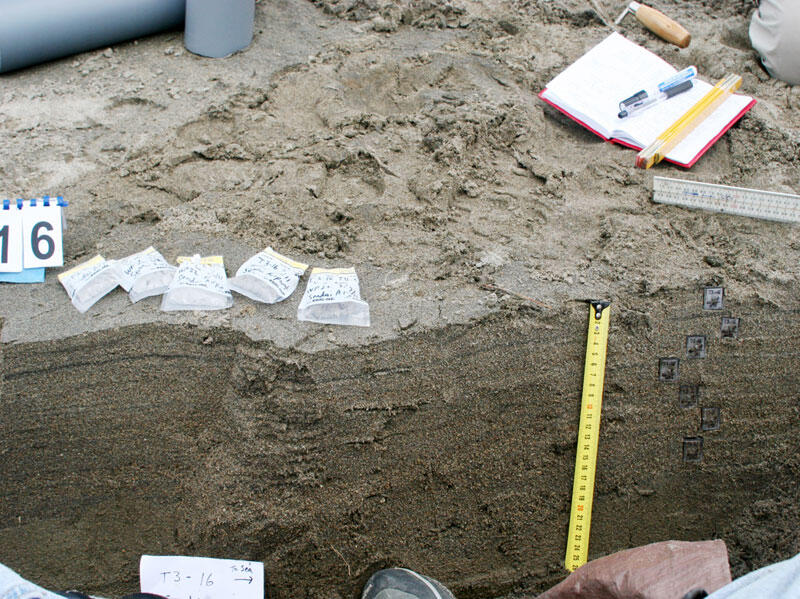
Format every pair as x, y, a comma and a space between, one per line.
449, 450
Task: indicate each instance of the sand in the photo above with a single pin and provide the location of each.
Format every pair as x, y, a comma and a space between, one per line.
406, 140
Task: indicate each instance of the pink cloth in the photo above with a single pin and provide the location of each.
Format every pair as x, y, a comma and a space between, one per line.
666, 570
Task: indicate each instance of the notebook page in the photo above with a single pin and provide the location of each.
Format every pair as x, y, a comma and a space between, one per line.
594, 85
642, 129
685, 151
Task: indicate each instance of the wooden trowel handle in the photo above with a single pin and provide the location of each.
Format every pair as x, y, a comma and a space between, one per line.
663, 26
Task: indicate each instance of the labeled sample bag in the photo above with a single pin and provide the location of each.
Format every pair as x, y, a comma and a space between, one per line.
144, 274
88, 282
199, 284
333, 297
267, 277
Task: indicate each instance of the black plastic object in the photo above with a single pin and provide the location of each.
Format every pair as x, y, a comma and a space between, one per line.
400, 583
684, 86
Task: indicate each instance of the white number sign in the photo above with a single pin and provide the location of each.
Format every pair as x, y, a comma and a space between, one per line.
30, 235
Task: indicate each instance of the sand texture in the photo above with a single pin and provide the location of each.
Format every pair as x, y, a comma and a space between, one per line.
404, 139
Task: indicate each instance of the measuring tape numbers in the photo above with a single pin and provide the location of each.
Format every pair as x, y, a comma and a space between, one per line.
588, 435
767, 205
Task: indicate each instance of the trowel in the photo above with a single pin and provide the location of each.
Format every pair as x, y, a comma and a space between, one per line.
657, 22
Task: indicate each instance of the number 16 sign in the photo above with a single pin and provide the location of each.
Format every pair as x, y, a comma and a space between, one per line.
31, 234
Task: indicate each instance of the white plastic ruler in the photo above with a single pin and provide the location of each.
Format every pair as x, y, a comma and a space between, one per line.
768, 205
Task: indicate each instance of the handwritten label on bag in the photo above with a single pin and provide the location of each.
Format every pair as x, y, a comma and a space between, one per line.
268, 277
332, 285
201, 273
281, 272
141, 264
181, 577
199, 284
88, 282
333, 296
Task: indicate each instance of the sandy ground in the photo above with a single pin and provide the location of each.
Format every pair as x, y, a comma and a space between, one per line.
406, 140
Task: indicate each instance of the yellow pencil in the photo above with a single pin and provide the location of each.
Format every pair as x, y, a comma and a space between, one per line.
678, 131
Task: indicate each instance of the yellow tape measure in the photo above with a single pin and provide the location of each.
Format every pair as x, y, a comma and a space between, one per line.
594, 371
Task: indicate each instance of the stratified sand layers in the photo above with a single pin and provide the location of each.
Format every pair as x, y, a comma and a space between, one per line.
450, 450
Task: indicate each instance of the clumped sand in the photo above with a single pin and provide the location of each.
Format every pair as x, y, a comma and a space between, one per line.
405, 139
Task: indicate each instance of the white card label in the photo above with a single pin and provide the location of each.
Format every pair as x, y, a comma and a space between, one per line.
180, 577
334, 285
10, 240
42, 236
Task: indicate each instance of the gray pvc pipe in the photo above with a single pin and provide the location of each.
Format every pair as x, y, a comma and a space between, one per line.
34, 31
218, 28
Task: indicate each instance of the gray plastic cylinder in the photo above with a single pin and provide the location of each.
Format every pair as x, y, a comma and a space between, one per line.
34, 31
217, 28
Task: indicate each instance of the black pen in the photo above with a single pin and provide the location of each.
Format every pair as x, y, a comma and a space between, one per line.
677, 84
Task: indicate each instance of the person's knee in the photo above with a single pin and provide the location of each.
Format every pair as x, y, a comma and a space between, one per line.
775, 35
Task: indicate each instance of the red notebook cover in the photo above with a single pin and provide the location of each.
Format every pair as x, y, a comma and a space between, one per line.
628, 145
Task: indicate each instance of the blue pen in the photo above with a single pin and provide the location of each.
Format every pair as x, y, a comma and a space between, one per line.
677, 84
679, 77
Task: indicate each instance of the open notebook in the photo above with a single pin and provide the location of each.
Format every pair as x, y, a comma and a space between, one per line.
590, 90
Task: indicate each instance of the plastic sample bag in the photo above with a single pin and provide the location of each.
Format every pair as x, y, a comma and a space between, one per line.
267, 277
199, 284
144, 274
401, 583
88, 282
333, 297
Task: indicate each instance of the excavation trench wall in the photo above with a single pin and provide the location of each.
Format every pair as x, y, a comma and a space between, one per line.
449, 451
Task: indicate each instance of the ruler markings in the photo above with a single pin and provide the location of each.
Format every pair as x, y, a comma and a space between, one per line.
588, 436
740, 201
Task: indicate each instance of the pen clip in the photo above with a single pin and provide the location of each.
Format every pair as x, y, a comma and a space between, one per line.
679, 88
639, 96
